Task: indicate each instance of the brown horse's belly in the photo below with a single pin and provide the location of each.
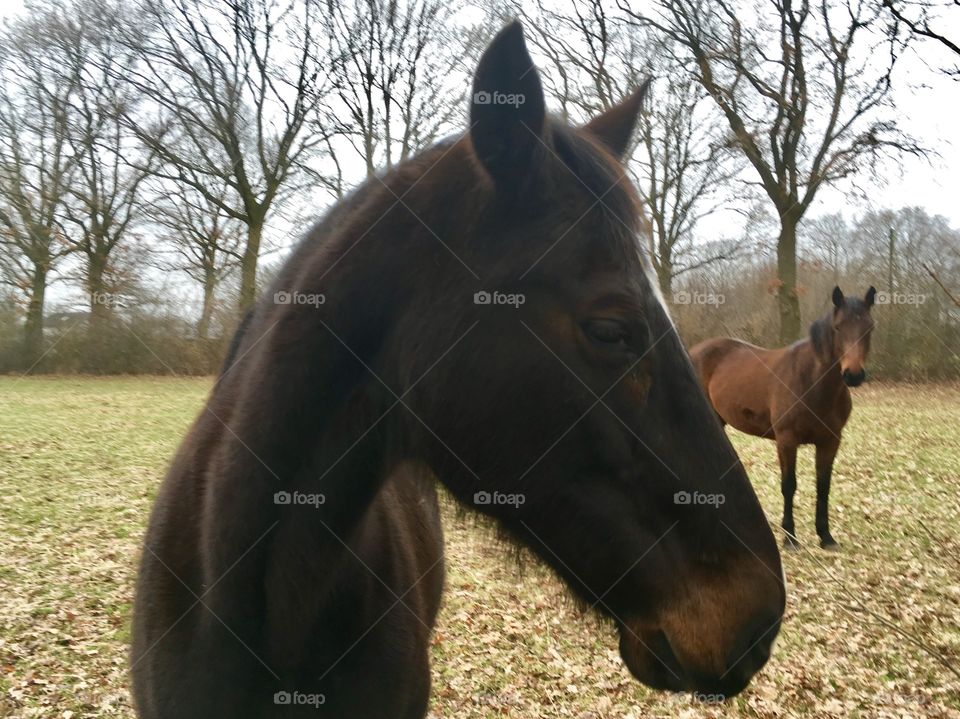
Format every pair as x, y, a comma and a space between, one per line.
751, 421
739, 397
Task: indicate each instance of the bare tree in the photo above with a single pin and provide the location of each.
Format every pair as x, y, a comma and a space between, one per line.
828, 238
591, 62
207, 242
919, 240
681, 157
234, 85
396, 70
923, 18
804, 89
686, 167
111, 165
36, 168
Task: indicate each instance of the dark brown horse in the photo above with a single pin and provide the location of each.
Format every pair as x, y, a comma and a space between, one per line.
794, 395
480, 315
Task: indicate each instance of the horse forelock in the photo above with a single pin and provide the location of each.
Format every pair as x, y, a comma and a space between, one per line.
603, 179
821, 336
855, 306
612, 190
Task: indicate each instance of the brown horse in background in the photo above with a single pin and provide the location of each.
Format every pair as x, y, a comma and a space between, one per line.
794, 395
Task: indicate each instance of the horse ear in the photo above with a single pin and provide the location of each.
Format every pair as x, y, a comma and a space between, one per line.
508, 111
615, 126
837, 297
871, 296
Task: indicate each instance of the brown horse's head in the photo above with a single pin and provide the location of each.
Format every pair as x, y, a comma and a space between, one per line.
548, 388
852, 325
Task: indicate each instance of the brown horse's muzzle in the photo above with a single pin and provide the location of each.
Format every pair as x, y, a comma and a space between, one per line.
854, 378
713, 640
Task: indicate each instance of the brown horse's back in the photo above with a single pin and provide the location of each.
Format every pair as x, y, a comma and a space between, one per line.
737, 378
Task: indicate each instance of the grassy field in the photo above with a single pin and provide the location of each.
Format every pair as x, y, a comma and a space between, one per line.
866, 634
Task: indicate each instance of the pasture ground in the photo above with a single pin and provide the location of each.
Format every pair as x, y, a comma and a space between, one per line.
81, 458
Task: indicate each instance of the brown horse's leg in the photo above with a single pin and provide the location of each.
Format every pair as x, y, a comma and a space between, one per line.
826, 453
787, 453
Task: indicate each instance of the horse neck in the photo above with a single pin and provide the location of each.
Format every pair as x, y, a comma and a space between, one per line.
308, 414
292, 470
317, 547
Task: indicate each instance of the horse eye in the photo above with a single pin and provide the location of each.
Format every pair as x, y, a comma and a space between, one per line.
606, 332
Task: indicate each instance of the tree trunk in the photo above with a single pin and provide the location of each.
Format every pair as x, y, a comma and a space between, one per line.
209, 284
891, 249
787, 300
33, 326
101, 303
665, 278
368, 151
99, 353
248, 265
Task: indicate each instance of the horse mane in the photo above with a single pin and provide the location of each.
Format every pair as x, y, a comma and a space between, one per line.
821, 337
520, 556
591, 162
235, 342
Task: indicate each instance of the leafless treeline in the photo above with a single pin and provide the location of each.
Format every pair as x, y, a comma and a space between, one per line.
918, 323
151, 140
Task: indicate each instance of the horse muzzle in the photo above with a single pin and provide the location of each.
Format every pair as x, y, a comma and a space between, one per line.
854, 379
651, 657
712, 637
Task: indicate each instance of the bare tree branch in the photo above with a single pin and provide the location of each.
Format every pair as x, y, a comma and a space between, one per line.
769, 77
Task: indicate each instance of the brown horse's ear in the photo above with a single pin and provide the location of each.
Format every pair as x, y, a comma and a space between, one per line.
871, 296
507, 110
837, 297
615, 126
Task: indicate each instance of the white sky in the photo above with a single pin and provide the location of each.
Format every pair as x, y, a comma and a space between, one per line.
929, 109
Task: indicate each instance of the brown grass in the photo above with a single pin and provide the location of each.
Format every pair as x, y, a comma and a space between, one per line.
80, 460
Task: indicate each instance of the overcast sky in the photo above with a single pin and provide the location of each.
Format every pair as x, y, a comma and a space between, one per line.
929, 106
929, 109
